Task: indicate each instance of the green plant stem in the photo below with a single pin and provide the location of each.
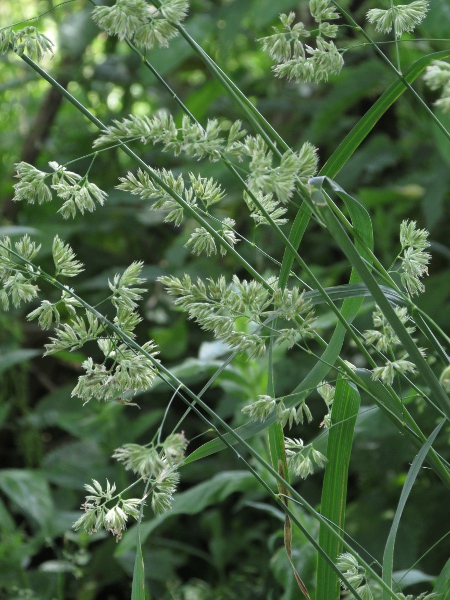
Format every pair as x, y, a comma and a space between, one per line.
397, 52
38, 16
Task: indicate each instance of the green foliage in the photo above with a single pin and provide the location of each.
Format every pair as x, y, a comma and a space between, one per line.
230, 156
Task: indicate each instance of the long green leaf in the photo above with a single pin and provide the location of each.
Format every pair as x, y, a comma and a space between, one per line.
351, 290
397, 73
364, 243
295, 237
442, 585
365, 125
388, 556
138, 585
334, 490
324, 205
9, 358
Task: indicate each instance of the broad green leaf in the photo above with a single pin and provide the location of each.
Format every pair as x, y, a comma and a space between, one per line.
334, 490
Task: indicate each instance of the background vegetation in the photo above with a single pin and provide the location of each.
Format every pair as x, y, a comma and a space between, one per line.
224, 538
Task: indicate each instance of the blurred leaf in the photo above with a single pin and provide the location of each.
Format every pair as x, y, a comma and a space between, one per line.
171, 341
12, 230
5, 409
5, 518
73, 464
435, 25
30, 494
9, 358
76, 32
263, 12
442, 142
411, 577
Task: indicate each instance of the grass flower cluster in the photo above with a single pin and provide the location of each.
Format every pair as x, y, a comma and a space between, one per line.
401, 17
28, 40
299, 61
78, 193
222, 308
146, 25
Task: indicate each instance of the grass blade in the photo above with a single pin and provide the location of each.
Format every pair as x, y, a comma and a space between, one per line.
351, 143
334, 491
388, 556
442, 585
365, 125
138, 586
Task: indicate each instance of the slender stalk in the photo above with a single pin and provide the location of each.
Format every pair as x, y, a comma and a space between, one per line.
431, 114
397, 51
